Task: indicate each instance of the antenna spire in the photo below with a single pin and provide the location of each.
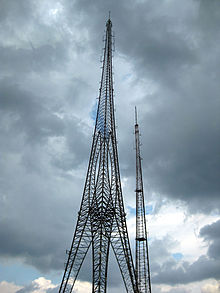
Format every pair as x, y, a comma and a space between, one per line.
135, 115
101, 221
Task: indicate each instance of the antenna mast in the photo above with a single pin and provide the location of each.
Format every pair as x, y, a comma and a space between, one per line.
101, 222
142, 266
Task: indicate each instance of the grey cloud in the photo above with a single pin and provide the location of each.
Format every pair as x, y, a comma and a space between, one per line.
35, 193
25, 60
203, 268
77, 144
44, 137
211, 233
28, 113
159, 249
35, 217
209, 18
14, 10
180, 120
187, 165
147, 35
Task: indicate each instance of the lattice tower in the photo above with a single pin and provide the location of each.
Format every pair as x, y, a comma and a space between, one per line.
142, 266
102, 220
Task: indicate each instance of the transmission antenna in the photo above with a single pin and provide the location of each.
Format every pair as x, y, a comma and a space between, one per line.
101, 219
142, 266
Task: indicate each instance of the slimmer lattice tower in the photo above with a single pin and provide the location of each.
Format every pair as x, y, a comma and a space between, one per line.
102, 220
142, 267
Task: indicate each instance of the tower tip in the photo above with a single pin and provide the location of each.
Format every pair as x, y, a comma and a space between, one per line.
109, 19
135, 115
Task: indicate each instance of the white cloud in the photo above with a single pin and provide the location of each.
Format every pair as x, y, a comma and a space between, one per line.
42, 285
208, 286
82, 287
6, 287
174, 221
211, 287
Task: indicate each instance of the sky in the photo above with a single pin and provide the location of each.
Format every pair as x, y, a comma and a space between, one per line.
166, 62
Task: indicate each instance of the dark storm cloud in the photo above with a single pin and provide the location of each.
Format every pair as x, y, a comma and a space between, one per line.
180, 133
27, 114
25, 60
31, 194
34, 188
203, 268
151, 37
41, 138
177, 51
211, 233
35, 216
187, 166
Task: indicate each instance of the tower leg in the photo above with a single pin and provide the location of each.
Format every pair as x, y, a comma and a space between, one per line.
122, 251
79, 248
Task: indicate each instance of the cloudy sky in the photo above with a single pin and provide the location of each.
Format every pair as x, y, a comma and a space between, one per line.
167, 63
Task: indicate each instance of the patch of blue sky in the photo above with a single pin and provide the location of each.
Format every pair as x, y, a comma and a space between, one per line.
18, 273
22, 274
131, 211
93, 112
177, 256
148, 210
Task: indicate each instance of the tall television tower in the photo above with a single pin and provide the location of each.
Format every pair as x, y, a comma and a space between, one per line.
142, 266
101, 219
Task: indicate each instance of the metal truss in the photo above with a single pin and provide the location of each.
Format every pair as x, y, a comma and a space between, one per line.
102, 220
142, 266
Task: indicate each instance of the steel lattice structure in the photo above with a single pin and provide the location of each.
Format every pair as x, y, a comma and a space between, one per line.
142, 267
102, 220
